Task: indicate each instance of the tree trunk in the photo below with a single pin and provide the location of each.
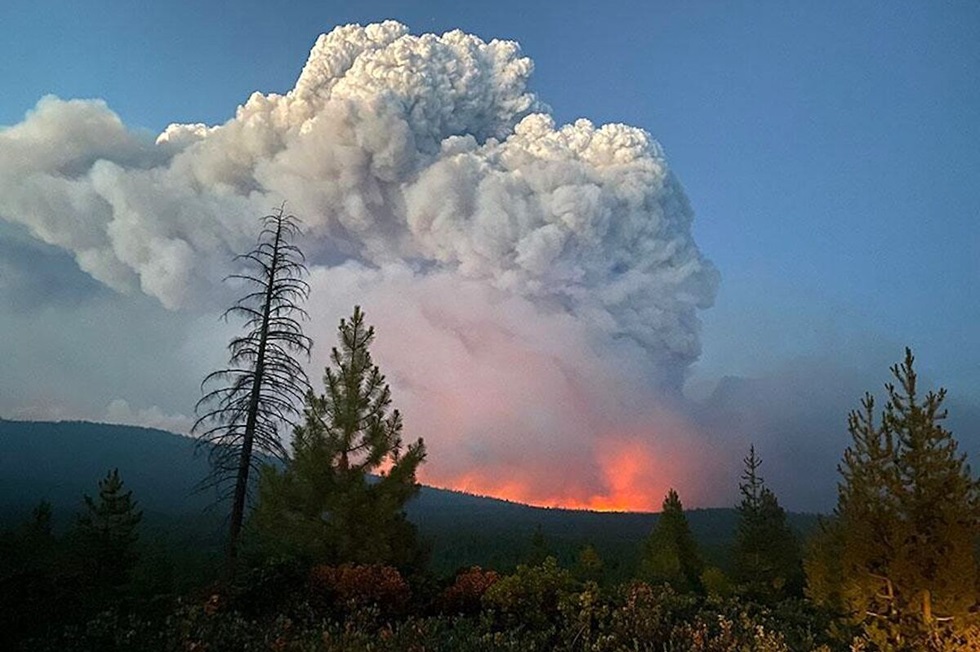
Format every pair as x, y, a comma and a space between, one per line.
926, 607
245, 459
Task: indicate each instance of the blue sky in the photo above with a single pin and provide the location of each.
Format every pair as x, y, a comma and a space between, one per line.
830, 152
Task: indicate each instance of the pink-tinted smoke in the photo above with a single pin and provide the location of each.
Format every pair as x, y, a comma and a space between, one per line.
519, 403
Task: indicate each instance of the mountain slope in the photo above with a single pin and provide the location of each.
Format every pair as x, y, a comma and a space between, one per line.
61, 461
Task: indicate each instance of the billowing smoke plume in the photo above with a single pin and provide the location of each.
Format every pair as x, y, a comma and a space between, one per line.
535, 287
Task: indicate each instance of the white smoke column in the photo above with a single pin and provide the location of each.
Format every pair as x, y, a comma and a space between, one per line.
429, 156
518, 402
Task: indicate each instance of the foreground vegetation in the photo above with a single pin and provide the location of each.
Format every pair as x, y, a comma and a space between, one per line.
328, 560
96, 586
283, 607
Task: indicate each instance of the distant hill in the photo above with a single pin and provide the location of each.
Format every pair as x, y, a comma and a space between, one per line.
61, 461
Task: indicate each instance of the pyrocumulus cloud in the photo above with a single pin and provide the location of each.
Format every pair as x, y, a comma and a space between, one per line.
535, 286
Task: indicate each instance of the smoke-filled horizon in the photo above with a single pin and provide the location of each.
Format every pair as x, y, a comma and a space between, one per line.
536, 287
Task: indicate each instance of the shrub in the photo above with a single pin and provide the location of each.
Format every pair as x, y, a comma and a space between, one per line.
642, 616
352, 586
530, 596
585, 616
715, 582
264, 589
466, 592
722, 634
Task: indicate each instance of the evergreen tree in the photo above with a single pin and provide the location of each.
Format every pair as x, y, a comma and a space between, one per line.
670, 554
540, 549
767, 564
39, 527
263, 383
340, 498
106, 534
899, 557
31, 574
588, 565
35, 536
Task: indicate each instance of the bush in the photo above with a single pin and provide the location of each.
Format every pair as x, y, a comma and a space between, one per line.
466, 592
642, 616
530, 597
352, 586
270, 587
715, 582
721, 634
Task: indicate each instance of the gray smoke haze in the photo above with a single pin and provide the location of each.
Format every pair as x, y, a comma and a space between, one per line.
535, 286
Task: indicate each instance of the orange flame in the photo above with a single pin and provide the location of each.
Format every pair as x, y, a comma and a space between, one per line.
631, 478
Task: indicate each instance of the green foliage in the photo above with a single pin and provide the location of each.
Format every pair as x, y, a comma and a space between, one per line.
106, 534
901, 546
670, 553
589, 566
723, 634
49, 583
540, 549
341, 496
638, 616
899, 557
716, 584
537, 608
530, 596
30, 561
589, 622
767, 562
273, 585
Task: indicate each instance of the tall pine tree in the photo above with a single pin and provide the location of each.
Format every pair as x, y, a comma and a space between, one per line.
670, 553
106, 534
766, 558
899, 557
340, 498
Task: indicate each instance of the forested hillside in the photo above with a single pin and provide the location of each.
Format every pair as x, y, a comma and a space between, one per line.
60, 461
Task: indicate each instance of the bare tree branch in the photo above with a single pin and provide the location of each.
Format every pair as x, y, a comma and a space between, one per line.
238, 421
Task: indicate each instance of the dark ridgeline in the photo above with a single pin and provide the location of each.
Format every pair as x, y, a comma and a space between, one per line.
61, 461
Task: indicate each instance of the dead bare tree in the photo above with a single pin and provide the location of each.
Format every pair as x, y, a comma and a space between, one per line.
244, 404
